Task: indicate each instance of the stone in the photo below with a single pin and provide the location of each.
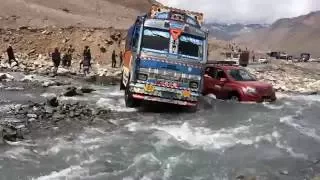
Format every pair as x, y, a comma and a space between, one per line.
71, 91
31, 119
32, 116
53, 101
9, 133
284, 172
86, 90
6, 77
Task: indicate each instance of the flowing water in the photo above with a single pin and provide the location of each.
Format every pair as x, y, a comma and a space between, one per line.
221, 141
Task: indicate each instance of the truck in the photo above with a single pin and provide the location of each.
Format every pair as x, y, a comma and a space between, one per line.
164, 57
244, 58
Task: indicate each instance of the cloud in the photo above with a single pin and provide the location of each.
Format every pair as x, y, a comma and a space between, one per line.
246, 11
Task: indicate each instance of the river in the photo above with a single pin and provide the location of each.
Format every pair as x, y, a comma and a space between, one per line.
223, 140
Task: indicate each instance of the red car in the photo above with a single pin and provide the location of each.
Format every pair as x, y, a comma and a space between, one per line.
235, 83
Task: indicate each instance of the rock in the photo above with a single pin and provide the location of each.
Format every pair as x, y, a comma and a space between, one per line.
31, 51
48, 110
32, 116
6, 77
284, 172
9, 133
53, 101
86, 90
31, 119
57, 117
71, 91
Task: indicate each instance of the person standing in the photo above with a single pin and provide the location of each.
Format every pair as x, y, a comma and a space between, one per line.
86, 63
121, 58
69, 55
56, 59
114, 61
11, 56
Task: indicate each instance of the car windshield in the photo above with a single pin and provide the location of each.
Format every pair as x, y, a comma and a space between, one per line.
191, 46
157, 40
241, 75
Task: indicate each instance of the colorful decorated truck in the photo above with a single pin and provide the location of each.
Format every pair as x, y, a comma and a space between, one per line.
163, 59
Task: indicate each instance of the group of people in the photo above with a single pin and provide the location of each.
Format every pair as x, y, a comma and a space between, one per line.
66, 59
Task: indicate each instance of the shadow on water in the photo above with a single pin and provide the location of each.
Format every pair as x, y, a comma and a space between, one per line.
154, 107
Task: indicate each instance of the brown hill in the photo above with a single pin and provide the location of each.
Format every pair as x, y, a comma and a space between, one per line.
294, 35
93, 13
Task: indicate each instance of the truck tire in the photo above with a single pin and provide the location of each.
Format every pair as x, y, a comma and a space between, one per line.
129, 100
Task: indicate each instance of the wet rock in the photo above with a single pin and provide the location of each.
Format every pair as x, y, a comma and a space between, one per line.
6, 77
86, 90
9, 133
71, 91
32, 116
53, 101
31, 119
284, 172
57, 117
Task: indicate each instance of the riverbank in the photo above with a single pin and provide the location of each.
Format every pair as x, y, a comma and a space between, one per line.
289, 77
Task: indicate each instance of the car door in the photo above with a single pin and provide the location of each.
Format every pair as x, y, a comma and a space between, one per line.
209, 81
221, 79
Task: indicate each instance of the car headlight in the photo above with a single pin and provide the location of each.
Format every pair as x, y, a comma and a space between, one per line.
249, 90
142, 77
193, 85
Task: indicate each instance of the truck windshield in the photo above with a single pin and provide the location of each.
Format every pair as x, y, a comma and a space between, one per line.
241, 75
190, 46
154, 39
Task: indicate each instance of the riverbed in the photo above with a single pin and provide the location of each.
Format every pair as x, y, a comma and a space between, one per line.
223, 140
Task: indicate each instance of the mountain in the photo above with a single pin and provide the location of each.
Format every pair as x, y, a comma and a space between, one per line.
294, 35
81, 13
229, 31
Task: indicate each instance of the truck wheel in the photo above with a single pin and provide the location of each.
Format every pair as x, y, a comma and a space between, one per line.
122, 87
129, 100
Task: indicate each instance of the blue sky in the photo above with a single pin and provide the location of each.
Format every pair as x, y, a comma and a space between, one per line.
247, 11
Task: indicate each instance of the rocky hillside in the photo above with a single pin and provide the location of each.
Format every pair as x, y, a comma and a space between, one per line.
294, 35
35, 41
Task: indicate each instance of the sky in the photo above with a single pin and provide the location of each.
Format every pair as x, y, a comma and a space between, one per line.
246, 11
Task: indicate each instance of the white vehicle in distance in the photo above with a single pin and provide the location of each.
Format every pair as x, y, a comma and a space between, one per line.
263, 60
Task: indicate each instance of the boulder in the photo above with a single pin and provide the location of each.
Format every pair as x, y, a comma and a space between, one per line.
6, 77
71, 91
53, 101
86, 90
9, 133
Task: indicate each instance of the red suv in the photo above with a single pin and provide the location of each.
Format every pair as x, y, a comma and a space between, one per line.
235, 83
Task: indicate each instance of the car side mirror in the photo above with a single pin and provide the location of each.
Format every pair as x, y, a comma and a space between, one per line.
223, 80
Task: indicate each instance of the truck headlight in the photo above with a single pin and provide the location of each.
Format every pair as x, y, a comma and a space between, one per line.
193, 85
249, 90
142, 77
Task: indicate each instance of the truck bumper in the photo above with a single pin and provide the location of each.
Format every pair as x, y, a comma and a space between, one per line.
163, 100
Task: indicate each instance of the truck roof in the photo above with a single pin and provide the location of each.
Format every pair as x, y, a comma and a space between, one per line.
159, 11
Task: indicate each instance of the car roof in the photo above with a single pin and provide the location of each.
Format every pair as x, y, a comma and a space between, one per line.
224, 67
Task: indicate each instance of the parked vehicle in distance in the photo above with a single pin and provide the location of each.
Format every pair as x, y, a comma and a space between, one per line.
244, 58
232, 82
305, 57
263, 60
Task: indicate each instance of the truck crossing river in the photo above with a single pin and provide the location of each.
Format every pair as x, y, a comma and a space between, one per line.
164, 58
